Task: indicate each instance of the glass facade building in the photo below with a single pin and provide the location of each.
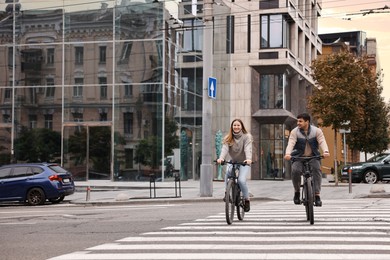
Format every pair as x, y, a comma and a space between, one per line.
94, 85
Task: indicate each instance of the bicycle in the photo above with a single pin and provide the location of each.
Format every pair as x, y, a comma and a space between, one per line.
308, 185
234, 197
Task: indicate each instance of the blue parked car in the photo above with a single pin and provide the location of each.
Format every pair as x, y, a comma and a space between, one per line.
35, 183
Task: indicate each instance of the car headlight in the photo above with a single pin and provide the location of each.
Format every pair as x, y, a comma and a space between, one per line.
356, 167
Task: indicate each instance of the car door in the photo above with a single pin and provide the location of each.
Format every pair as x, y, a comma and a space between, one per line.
5, 174
16, 184
385, 168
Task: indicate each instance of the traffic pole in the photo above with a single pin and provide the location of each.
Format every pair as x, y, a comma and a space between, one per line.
206, 168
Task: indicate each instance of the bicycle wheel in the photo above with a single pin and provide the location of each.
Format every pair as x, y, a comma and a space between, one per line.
240, 204
230, 202
309, 201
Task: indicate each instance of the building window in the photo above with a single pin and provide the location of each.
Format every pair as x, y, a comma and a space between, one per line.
7, 94
79, 55
274, 31
129, 158
230, 34
6, 118
128, 123
128, 89
10, 56
126, 50
102, 54
49, 121
271, 91
78, 117
33, 121
78, 87
50, 56
269, 4
103, 117
271, 147
50, 89
103, 87
193, 39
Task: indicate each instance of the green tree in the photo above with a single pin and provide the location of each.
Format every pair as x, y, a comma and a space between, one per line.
38, 145
149, 151
370, 132
339, 93
99, 147
348, 91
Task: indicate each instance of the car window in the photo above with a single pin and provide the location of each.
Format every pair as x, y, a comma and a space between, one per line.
36, 170
377, 158
20, 171
57, 169
5, 172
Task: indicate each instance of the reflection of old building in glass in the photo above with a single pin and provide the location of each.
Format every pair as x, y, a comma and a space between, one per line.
102, 76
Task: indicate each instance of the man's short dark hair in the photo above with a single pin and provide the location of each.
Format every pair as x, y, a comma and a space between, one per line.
304, 116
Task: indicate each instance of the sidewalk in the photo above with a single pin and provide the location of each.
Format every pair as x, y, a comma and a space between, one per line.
105, 191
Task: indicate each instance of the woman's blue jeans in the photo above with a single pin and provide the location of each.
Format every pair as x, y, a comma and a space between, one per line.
244, 172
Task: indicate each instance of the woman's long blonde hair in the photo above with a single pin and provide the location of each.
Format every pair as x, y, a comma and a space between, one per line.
229, 138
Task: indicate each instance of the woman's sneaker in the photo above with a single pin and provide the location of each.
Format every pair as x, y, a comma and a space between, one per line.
247, 206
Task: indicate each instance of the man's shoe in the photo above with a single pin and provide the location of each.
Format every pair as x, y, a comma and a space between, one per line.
247, 206
297, 199
318, 201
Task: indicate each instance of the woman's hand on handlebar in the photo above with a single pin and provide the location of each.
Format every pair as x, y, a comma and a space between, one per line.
220, 161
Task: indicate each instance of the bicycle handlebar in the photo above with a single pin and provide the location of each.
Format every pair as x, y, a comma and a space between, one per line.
306, 158
243, 163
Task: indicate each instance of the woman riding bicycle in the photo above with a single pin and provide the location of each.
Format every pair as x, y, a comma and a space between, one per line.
238, 145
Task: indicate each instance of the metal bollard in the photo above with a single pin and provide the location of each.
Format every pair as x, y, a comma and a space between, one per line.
88, 196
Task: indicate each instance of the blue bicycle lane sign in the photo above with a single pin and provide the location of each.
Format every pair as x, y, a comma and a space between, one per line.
212, 87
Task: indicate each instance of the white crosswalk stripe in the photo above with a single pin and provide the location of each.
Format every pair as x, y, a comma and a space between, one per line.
350, 229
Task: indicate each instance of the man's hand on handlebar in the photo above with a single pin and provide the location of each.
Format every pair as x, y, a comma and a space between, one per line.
249, 162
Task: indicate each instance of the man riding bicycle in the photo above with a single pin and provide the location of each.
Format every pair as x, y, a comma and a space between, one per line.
305, 140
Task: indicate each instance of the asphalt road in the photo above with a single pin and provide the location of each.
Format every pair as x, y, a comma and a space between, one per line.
41, 232
344, 229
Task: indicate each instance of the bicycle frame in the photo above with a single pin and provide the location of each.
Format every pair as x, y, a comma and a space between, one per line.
308, 185
233, 197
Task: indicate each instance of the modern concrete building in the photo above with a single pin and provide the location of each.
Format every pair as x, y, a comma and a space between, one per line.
262, 52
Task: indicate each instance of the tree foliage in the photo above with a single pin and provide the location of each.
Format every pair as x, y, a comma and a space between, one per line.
99, 147
149, 150
38, 145
348, 90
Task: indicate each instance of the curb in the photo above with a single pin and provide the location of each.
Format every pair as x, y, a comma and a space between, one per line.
161, 200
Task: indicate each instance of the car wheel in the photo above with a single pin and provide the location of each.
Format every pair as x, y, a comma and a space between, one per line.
35, 196
370, 176
57, 200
